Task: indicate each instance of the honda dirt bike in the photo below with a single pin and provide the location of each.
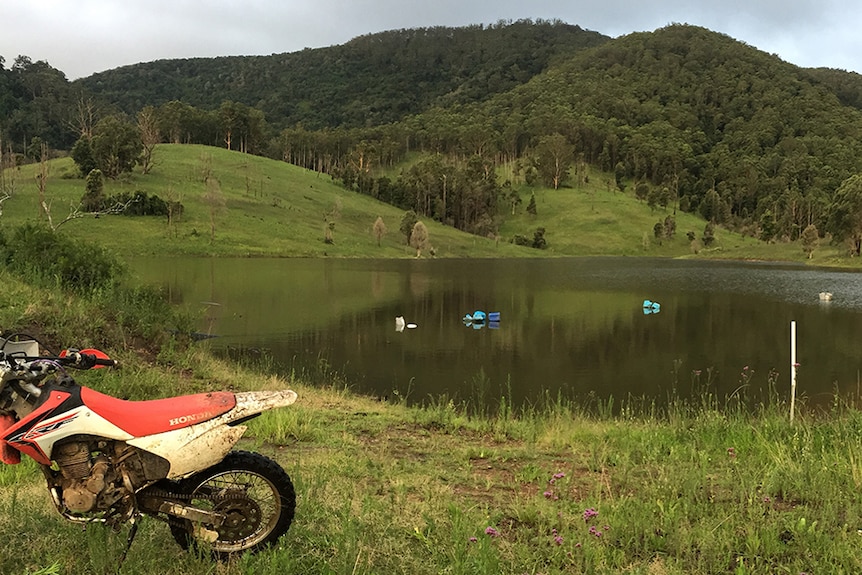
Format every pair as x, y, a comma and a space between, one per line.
110, 461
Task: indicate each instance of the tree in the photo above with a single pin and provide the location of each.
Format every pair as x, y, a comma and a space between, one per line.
82, 155
710, 207
149, 129
554, 158
810, 238
213, 198
94, 195
531, 207
642, 192
379, 229
768, 226
407, 223
514, 198
419, 238
42, 182
669, 226
619, 176
329, 218
539, 241
116, 145
708, 234
845, 213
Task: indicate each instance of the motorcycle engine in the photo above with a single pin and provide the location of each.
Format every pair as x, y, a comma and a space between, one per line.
85, 477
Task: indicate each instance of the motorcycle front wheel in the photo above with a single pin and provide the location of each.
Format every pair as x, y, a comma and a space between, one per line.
254, 494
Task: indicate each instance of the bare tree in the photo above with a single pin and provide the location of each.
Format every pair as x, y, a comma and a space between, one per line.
329, 219
215, 200
419, 238
42, 183
85, 117
379, 229
174, 210
8, 172
150, 136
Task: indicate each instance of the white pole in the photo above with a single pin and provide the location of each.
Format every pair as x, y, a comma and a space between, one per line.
793, 367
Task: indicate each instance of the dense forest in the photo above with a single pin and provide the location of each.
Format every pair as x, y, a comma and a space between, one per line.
371, 80
681, 116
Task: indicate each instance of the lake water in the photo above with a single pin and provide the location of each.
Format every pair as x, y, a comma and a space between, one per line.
571, 327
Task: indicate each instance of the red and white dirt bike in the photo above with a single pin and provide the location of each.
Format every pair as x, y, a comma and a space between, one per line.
111, 461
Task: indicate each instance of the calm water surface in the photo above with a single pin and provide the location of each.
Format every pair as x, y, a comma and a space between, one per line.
574, 327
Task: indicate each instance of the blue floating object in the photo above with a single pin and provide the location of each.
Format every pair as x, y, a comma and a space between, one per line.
651, 307
478, 316
494, 316
493, 325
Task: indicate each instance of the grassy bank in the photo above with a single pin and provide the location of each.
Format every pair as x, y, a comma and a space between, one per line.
383, 488
387, 489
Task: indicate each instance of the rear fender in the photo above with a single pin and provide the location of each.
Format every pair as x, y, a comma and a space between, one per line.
199, 446
249, 403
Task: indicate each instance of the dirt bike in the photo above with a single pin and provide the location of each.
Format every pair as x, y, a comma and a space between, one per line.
111, 461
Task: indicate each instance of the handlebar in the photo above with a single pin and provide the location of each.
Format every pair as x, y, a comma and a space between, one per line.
85, 360
68, 358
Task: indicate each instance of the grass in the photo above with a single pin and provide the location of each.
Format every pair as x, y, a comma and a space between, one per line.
383, 488
264, 207
386, 488
552, 488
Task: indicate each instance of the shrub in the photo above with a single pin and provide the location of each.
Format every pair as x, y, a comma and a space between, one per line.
44, 257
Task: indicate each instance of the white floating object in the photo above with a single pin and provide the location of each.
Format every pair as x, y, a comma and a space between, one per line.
826, 296
412, 326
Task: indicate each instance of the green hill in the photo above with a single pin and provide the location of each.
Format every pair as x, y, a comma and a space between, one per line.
263, 207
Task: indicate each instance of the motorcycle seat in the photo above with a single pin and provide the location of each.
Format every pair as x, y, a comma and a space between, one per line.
140, 418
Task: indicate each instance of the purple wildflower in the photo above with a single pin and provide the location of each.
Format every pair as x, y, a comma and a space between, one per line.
473, 539
490, 531
590, 513
548, 494
558, 540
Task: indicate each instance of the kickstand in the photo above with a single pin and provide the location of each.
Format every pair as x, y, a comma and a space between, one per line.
132, 532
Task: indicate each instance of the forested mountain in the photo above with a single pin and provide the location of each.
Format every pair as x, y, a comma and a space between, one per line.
371, 80
681, 115
731, 130
36, 101
846, 85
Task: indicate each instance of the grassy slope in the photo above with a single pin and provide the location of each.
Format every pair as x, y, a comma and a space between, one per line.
271, 208
266, 208
386, 489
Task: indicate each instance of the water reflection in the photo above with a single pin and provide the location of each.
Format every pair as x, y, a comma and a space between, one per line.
574, 327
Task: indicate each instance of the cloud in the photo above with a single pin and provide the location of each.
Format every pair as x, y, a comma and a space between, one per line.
88, 36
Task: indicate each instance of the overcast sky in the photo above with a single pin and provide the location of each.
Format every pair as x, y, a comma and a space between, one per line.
81, 37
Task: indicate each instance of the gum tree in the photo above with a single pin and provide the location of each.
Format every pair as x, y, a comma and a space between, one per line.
845, 213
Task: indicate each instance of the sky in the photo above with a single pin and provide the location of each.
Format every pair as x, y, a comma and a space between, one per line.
82, 37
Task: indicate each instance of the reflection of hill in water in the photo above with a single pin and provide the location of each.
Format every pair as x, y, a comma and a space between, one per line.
574, 327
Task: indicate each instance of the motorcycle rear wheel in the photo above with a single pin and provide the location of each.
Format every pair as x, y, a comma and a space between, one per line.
254, 493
